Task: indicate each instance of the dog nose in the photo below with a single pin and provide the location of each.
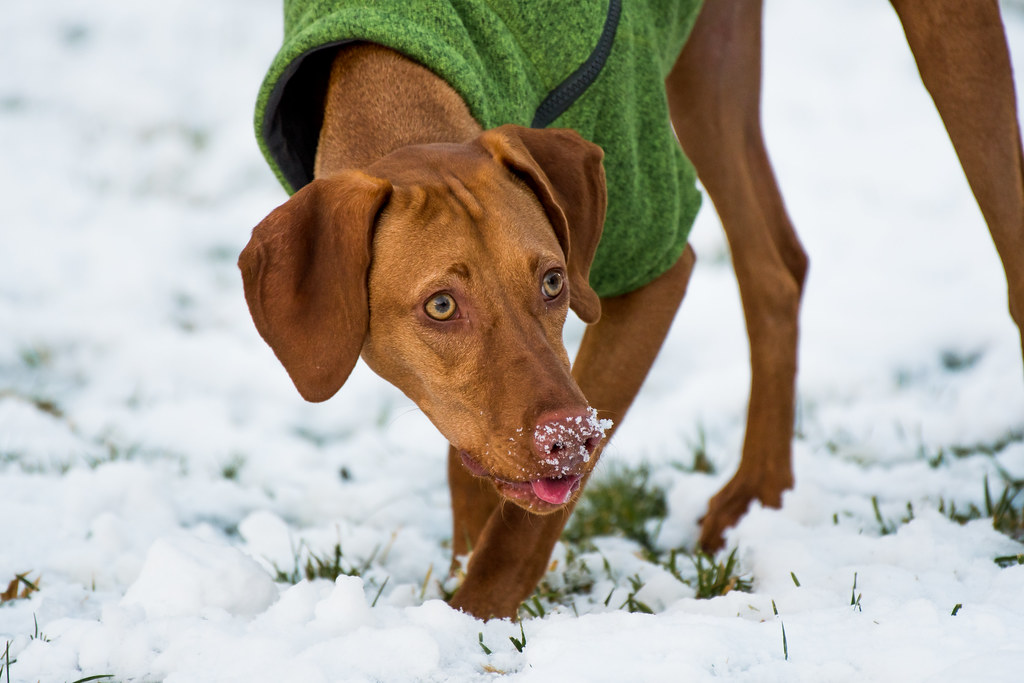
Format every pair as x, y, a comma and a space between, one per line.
567, 439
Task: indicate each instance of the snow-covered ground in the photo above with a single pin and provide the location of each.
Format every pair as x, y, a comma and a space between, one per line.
156, 464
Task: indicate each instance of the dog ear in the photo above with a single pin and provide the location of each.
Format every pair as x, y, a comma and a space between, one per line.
565, 172
305, 277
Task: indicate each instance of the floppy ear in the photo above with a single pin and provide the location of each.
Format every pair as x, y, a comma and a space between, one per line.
565, 172
304, 272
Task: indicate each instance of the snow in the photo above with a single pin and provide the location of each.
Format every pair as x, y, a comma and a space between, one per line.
158, 471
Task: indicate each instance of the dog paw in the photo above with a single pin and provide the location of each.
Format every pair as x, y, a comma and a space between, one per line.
482, 605
730, 504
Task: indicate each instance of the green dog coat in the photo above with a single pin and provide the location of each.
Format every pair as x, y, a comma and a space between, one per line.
516, 61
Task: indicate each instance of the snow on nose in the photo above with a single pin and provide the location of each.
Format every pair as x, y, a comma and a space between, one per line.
566, 439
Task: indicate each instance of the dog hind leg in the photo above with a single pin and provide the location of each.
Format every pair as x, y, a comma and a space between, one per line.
714, 96
964, 62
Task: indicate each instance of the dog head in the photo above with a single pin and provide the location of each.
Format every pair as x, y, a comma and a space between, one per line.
450, 268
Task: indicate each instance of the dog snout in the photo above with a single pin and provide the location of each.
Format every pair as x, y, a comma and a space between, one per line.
565, 440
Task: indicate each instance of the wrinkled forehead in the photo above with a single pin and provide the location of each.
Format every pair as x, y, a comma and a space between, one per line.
457, 197
425, 164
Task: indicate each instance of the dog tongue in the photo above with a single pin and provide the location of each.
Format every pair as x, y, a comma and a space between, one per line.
554, 491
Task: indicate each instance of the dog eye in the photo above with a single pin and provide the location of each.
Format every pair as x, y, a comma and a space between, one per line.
440, 306
552, 283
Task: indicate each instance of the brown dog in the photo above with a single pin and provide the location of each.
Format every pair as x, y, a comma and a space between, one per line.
448, 257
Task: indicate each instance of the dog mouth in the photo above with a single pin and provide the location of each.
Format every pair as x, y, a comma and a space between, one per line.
543, 493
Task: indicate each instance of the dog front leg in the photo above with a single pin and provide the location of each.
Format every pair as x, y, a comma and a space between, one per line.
618, 350
510, 558
514, 547
964, 62
473, 501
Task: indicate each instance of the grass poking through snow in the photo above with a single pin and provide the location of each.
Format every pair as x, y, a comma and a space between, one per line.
310, 565
713, 578
624, 502
19, 588
1005, 510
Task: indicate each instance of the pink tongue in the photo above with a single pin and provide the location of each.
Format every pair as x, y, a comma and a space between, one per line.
554, 491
